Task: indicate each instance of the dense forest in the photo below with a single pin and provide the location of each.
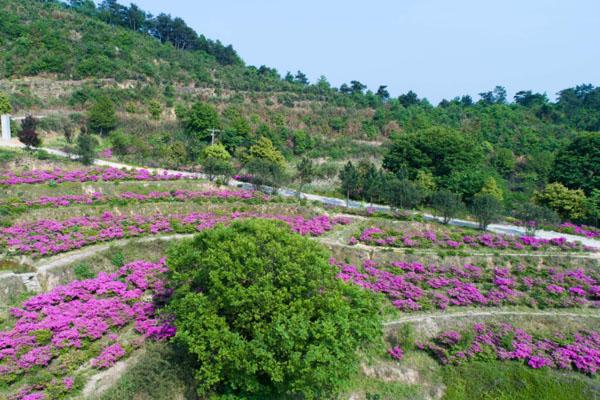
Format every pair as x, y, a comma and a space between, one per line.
171, 87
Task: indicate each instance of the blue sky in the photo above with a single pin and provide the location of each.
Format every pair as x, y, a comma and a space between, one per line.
438, 48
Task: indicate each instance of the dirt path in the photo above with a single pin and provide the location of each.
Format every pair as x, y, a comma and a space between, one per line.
64, 259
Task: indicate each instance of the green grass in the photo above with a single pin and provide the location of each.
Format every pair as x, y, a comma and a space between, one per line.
163, 372
515, 381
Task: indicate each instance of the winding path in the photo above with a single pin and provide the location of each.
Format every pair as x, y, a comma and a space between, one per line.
286, 192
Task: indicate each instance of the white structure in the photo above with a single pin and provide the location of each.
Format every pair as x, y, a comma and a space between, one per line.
5, 127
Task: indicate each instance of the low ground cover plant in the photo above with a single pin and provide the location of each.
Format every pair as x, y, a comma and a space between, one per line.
47, 237
573, 229
81, 324
58, 175
414, 286
133, 197
579, 351
459, 239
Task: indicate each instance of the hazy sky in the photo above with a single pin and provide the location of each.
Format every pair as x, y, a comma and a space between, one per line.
438, 48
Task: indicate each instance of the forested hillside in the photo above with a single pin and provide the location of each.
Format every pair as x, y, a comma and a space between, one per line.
158, 88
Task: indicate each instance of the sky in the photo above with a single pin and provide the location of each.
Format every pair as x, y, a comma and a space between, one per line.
437, 48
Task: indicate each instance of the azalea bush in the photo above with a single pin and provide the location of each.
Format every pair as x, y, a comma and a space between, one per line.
261, 310
460, 239
58, 175
133, 197
581, 230
47, 237
579, 351
79, 325
414, 286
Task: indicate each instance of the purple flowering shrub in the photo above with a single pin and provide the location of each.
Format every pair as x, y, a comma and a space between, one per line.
396, 353
581, 230
414, 286
96, 174
47, 237
132, 197
579, 351
458, 239
83, 315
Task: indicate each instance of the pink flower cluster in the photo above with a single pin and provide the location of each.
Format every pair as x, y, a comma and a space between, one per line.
46, 237
109, 356
455, 240
583, 230
175, 195
96, 174
580, 351
414, 286
106, 153
396, 353
74, 315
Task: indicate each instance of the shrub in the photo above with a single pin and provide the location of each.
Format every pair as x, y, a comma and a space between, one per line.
217, 151
569, 204
446, 204
265, 150
217, 168
86, 148
263, 312
266, 173
101, 116
83, 271
486, 209
28, 135
5, 107
199, 120
155, 109
532, 216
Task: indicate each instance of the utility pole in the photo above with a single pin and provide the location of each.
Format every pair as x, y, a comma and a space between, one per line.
212, 135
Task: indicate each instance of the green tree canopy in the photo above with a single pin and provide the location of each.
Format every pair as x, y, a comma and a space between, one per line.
217, 151
486, 209
265, 150
438, 150
5, 107
577, 166
101, 116
264, 314
568, 203
86, 148
349, 179
199, 120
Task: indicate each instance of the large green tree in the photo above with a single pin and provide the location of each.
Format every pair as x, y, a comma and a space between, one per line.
577, 166
438, 150
264, 314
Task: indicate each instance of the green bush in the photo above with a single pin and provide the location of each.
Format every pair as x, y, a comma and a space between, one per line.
261, 309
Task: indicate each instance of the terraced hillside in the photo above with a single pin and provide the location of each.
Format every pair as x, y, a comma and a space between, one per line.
465, 313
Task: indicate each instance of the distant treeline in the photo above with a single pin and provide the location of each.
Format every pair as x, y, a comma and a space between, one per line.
162, 27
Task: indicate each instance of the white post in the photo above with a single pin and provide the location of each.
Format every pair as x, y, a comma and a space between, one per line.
5, 127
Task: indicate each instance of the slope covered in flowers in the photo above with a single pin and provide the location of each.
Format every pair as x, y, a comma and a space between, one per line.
46, 237
79, 324
415, 286
96, 174
457, 239
579, 351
